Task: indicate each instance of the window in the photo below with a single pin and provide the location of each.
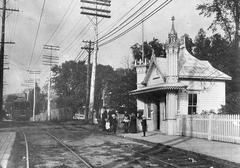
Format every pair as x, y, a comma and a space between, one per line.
149, 110
192, 103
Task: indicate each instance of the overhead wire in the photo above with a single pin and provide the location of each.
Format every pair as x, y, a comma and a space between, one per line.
58, 27
78, 57
14, 27
69, 33
61, 21
35, 40
123, 16
76, 38
165, 3
126, 22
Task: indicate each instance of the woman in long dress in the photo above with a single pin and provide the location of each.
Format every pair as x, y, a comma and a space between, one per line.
133, 124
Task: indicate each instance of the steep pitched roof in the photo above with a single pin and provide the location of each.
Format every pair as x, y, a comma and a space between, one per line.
191, 67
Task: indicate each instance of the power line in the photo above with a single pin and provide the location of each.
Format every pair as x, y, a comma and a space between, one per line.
124, 24
79, 54
35, 40
59, 27
138, 23
114, 24
143, 8
67, 35
77, 37
61, 21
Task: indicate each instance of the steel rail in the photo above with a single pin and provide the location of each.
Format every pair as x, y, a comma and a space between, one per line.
27, 153
145, 155
74, 153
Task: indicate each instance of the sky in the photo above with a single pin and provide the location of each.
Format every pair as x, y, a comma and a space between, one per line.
64, 26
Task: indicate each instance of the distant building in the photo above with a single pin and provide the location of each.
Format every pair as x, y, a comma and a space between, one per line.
175, 85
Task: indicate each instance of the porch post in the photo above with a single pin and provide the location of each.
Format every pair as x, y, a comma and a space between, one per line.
171, 102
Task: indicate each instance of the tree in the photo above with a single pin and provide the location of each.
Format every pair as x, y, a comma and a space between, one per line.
157, 48
69, 83
202, 45
125, 81
226, 15
153, 45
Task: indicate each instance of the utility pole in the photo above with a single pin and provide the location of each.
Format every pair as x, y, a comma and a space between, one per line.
34, 91
94, 8
4, 9
50, 60
89, 49
29, 83
5, 63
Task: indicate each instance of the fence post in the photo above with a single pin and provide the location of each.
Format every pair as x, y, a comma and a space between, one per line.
210, 127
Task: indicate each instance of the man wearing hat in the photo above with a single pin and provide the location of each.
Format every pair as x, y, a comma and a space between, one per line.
144, 125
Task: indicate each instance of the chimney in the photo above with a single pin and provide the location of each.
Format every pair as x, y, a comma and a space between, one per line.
141, 69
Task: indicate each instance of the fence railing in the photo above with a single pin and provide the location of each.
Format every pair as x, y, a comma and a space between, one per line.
56, 114
212, 127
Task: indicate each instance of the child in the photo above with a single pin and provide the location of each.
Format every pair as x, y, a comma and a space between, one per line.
126, 123
114, 123
107, 125
144, 125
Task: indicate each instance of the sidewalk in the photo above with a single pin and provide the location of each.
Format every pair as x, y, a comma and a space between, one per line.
6, 143
221, 150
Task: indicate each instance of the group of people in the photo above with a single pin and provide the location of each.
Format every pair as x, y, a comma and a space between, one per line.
110, 122
130, 123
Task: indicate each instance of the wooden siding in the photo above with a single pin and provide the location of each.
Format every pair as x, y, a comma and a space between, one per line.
210, 95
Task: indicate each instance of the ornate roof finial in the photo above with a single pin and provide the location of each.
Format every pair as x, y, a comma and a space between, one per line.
172, 36
173, 29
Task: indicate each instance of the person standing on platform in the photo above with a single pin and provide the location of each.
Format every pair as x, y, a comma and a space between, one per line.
114, 123
133, 124
144, 125
126, 121
104, 118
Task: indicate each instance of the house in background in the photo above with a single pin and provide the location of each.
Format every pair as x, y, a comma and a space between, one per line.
177, 84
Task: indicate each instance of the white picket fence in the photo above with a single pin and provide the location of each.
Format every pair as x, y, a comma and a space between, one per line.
212, 127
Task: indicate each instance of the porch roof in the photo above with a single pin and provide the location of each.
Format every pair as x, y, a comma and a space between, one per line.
163, 86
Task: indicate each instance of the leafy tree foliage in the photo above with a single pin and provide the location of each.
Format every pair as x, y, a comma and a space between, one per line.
69, 83
124, 81
226, 15
153, 45
70, 86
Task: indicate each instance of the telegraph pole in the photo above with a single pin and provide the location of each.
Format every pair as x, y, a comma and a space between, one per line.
50, 60
94, 8
34, 91
89, 49
4, 9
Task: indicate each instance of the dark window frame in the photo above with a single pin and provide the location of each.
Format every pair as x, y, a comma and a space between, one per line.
192, 103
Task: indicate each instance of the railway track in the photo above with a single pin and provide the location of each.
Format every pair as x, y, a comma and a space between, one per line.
80, 158
143, 160
82, 163
166, 156
158, 156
